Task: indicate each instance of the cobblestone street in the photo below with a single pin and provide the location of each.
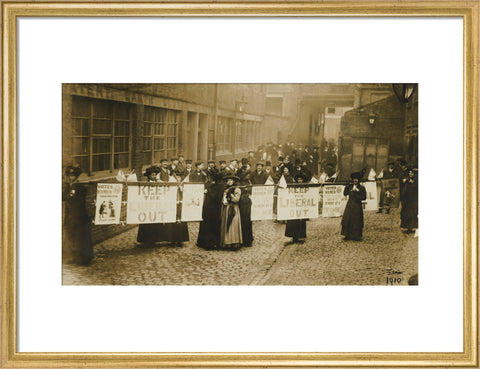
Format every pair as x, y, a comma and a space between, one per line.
324, 259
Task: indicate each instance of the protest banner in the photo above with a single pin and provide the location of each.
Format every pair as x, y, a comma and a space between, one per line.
192, 202
152, 204
371, 202
297, 202
108, 203
334, 201
262, 202
391, 192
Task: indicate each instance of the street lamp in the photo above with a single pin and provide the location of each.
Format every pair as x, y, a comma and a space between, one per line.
371, 118
404, 91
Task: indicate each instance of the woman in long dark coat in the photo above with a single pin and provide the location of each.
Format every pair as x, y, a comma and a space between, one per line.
149, 234
209, 231
297, 228
245, 205
409, 196
352, 221
77, 242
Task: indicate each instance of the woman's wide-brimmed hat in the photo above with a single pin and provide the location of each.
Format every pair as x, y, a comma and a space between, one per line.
231, 176
73, 170
150, 170
356, 175
300, 175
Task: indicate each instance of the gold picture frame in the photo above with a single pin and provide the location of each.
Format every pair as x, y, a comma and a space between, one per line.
467, 10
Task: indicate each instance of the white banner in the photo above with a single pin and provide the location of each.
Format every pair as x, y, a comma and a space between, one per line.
297, 203
192, 203
108, 203
371, 202
262, 202
333, 201
152, 204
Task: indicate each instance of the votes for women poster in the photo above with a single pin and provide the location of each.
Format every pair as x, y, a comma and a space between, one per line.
152, 204
262, 202
108, 203
192, 202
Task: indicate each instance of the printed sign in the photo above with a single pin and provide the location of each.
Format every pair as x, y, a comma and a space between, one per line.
371, 202
151, 204
108, 203
390, 192
192, 203
262, 202
333, 201
297, 203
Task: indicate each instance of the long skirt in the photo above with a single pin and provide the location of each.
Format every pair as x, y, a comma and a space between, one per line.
245, 205
296, 228
158, 232
209, 231
77, 245
352, 221
231, 234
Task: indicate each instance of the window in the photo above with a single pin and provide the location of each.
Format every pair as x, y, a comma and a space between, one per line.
100, 134
224, 134
331, 110
274, 105
159, 133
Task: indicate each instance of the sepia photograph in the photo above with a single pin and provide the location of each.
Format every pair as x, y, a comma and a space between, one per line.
240, 184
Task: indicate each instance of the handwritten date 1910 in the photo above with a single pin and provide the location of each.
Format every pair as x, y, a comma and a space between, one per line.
395, 277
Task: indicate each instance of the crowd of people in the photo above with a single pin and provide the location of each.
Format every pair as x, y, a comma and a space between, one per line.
227, 205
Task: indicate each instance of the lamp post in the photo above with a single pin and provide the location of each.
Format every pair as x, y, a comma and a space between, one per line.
371, 118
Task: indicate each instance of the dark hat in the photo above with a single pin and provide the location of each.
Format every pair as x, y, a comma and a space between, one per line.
280, 158
297, 161
172, 159
244, 160
268, 163
391, 162
197, 163
330, 165
356, 175
231, 176
214, 174
222, 162
73, 170
211, 161
300, 175
150, 170
188, 161
260, 163
403, 162
163, 160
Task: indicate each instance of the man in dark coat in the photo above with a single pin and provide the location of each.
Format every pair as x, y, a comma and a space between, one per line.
352, 221
187, 171
164, 173
199, 175
409, 212
77, 243
259, 176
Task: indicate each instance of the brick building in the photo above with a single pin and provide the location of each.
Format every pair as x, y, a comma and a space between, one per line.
107, 127
375, 133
